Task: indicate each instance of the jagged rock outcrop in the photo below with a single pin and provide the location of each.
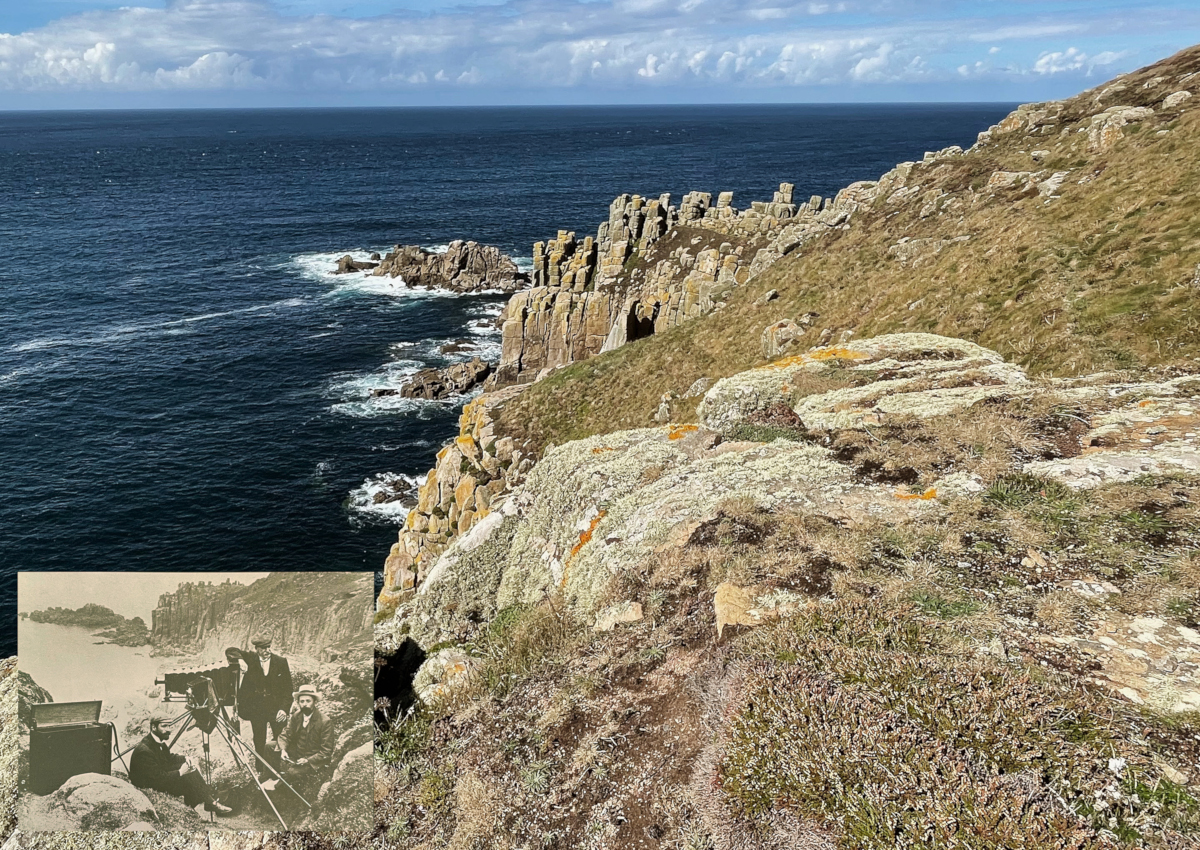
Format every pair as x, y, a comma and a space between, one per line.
185, 616
462, 267
315, 614
348, 264
651, 266
443, 383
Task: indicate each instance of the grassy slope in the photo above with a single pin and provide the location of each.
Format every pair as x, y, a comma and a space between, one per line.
1098, 279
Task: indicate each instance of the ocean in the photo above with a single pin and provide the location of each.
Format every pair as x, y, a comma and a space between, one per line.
185, 385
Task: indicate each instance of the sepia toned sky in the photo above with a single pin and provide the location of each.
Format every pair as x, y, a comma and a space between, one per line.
128, 594
99, 53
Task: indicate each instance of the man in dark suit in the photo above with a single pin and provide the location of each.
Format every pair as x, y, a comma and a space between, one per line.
306, 745
228, 685
265, 697
153, 765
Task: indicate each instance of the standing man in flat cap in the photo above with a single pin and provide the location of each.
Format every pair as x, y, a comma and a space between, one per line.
265, 697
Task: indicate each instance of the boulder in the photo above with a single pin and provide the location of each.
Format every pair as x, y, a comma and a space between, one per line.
444, 383
463, 267
348, 264
96, 801
780, 337
1106, 128
1173, 100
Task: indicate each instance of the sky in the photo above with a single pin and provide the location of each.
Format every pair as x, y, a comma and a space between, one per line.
256, 53
128, 594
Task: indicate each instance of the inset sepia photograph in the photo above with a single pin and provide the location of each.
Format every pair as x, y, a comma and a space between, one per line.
195, 701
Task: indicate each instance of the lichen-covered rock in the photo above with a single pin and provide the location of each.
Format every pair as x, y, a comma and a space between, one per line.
442, 673
1106, 128
596, 507
919, 375
1156, 435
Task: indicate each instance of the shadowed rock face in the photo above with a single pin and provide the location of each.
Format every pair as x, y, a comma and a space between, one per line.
464, 267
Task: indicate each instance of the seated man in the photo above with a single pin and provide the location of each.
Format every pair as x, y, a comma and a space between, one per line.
153, 765
306, 745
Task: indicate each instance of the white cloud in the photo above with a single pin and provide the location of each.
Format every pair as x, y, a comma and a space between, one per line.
249, 44
1073, 59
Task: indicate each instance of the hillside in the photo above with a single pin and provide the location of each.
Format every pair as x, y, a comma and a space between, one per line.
862, 522
1067, 239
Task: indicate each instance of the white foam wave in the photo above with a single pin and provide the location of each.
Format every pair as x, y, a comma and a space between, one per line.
388, 495
138, 330
375, 394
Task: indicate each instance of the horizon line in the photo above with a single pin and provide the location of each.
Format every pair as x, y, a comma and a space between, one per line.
493, 106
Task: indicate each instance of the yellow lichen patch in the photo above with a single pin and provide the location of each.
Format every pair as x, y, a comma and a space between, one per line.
678, 432
599, 450
931, 493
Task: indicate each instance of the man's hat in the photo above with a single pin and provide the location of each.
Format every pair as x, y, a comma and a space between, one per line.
262, 640
233, 654
307, 691
160, 715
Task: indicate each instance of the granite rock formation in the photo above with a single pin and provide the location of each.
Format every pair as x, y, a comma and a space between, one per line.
463, 267
470, 474
435, 383
652, 265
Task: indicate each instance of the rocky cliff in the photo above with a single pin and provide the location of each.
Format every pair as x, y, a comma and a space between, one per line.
313, 614
652, 265
828, 559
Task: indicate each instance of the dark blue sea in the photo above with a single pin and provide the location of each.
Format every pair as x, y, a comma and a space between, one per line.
184, 385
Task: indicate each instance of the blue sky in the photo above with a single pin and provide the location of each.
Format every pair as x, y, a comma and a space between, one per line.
97, 53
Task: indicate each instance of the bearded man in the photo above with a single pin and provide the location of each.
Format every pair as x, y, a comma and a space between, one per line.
153, 765
306, 745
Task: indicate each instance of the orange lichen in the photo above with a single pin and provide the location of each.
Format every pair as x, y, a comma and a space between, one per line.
585, 537
818, 356
599, 450
931, 493
678, 432
1146, 403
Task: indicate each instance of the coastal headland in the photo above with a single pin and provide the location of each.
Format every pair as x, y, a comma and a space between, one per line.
852, 522
825, 522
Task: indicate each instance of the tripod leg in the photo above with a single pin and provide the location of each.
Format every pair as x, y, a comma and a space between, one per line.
268, 766
254, 778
